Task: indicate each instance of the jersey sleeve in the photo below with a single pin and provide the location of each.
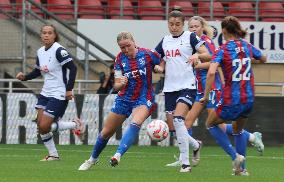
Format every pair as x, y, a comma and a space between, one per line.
62, 56
256, 53
159, 49
118, 67
156, 59
195, 42
218, 56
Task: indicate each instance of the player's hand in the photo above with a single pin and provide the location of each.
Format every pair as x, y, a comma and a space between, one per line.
123, 80
20, 76
204, 100
69, 95
158, 69
193, 59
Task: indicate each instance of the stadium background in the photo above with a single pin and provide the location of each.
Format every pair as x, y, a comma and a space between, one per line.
90, 35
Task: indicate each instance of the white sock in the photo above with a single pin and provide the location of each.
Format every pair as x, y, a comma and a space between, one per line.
49, 144
62, 125
182, 139
193, 143
251, 138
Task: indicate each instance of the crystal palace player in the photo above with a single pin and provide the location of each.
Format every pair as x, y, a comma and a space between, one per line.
133, 78
234, 57
53, 62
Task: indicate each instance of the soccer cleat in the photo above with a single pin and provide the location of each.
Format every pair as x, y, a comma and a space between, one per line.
243, 172
257, 143
79, 131
237, 163
114, 161
196, 155
50, 158
174, 164
87, 165
185, 168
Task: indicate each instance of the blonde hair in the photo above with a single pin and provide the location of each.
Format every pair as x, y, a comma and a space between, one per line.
207, 29
124, 35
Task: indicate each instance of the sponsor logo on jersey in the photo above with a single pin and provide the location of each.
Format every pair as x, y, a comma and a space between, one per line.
135, 73
173, 53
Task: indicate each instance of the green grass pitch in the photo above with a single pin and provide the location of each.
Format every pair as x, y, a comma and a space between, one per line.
145, 164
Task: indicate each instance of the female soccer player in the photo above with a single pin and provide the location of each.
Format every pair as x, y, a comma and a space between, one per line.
133, 78
52, 63
200, 26
179, 50
236, 101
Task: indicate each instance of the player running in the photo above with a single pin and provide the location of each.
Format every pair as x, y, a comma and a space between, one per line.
53, 62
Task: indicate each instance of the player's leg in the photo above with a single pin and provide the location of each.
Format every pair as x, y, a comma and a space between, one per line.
44, 123
56, 108
254, 138
112, 122
139, 115
191, 116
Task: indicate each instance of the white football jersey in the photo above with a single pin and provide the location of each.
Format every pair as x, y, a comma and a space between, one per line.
50, 63
176, 51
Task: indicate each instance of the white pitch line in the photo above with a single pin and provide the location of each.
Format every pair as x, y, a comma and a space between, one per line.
155, 154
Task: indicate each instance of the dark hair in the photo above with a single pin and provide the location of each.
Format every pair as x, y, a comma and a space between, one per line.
176, 14
111, 66
57, 39
233, 26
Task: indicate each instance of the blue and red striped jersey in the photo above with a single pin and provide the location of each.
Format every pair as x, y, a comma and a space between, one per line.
235, 59
139, 73
202, 73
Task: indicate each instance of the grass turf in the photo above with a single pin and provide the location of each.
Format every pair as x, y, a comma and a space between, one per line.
145, 164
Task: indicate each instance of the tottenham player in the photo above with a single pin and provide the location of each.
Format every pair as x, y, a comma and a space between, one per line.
236, 101
133, 78
53, 62
179, 50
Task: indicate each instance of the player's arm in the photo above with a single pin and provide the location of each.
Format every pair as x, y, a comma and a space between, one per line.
120, 82
200, 65
257, 56
209, 81
32, 75
66, 61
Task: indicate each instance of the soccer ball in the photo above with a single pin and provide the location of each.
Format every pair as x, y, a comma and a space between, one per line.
157, 130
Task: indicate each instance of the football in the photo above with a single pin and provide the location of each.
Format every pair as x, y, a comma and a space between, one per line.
157, 130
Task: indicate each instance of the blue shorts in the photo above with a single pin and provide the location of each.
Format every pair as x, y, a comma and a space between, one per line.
52, 107
124, 107
214, 98
233, 112
186, 96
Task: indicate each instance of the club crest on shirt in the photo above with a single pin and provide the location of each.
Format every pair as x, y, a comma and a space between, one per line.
141, 61
64, 53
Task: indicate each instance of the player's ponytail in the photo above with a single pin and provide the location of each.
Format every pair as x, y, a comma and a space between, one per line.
233, 26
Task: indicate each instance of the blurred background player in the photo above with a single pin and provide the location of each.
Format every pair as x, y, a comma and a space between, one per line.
133, 79
107, 83
52, 63
200, 26
236, 100
179, 50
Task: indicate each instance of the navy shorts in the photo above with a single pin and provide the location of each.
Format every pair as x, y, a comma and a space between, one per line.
186, 96
52, 107
124, 107
233, 112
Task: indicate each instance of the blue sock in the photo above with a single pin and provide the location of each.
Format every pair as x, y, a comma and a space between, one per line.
189, 131
241, 144
99, 146
128, 138
229, 129
223, 140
